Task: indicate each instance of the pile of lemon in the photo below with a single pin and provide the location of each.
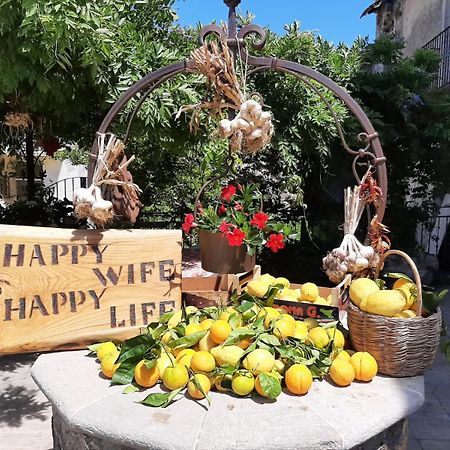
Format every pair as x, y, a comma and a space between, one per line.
308, 293
245, 349
400, 301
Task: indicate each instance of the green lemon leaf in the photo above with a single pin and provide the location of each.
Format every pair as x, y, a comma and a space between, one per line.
270, 385
136, 347
237, 335
166, 317
269, 339
156, 400
235, 320
187, 341
245, 306
125, 373
94, 347
130, 389
397, 276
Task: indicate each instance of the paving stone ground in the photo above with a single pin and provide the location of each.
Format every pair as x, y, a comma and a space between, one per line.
25, 414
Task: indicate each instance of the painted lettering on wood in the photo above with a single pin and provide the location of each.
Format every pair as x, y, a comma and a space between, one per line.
63, 289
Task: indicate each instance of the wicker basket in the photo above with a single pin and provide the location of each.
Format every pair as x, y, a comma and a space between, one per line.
402, 347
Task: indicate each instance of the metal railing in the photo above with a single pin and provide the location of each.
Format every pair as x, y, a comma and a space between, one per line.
435, 239
441, 44
64, 189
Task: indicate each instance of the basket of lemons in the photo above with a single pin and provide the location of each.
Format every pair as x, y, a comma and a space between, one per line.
401, 326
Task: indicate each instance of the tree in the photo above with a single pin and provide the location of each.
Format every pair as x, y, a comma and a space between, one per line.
64, 62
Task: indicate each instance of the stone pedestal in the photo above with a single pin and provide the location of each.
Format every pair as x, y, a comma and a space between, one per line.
89, 414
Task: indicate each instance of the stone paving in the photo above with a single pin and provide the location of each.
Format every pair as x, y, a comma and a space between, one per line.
25, 415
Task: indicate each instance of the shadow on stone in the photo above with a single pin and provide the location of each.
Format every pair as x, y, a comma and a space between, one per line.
18, 403
11, 363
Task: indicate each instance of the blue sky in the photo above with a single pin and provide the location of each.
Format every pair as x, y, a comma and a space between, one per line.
336, 20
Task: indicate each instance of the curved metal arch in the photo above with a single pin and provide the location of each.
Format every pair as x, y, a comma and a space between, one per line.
154, 79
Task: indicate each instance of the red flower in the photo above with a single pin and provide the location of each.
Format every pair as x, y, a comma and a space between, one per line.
275, 242
228, 192
225, 227
189, 222
236, 237
222, 210
259, 220
238, 206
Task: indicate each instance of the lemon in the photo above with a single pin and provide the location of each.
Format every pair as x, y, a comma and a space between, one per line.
321, 301
342, 372
258, 386
343, 355
311, 323
164, 361
259, 360
281, 280
301, 330
185, 356
298, 379
202, 380
192, 328
361, 288
318, 337
409, 291
105, 349
146, 377
175, 377
206, 324
219, 331
287, 294
227, 313
203, 362
284, 328
243, 383
178, 315
407, 314
206, 343
228, 355
257, 288
365, 366
279, 366
267, 279
269, 314
109, 366
309, 292
337, 336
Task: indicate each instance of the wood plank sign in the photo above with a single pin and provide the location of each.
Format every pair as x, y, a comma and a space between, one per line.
63, 289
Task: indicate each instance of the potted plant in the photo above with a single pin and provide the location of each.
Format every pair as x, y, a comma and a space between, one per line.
233, 228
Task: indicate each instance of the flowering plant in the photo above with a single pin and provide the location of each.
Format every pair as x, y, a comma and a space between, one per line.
238, 216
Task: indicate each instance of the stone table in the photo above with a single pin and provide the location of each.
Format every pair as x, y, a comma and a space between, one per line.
88, 413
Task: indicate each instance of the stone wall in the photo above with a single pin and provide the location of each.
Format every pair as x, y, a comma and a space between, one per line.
418, 21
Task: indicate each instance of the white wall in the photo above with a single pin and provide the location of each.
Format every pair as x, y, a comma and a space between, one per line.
59, 170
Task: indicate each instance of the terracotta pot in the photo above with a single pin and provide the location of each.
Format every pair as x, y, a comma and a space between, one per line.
218, 256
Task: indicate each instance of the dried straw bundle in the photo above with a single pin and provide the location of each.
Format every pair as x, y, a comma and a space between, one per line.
112, 193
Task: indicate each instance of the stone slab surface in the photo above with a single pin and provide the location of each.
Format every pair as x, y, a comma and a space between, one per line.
328, 417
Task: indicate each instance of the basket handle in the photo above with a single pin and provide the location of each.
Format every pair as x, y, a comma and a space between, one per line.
416, 275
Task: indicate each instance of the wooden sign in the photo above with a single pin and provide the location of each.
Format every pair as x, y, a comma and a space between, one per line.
64, 289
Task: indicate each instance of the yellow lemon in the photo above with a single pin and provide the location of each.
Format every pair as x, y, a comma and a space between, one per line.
267, 279
109, 366
409, 292
185, 356
206, 324
146, 377
202, 380
279, 366
284, 328
301, 330
259, 360
344, 355
339, 339
243, 383
298, 379
311, 323
365, 366
361, 288
228, 355
269, 314
219, 331
318, 337
407, 314
105, 349
192, 328
309, 292
206, 343
203, 362
321, 301
281, 280
225, 315
164, 361
175, 377
257, 288
342, 372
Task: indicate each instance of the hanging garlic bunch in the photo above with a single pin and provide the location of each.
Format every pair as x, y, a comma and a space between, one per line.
251, 129
351, 256
89, 204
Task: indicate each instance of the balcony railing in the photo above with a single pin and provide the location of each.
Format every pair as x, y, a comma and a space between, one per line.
64, 189
441, 43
